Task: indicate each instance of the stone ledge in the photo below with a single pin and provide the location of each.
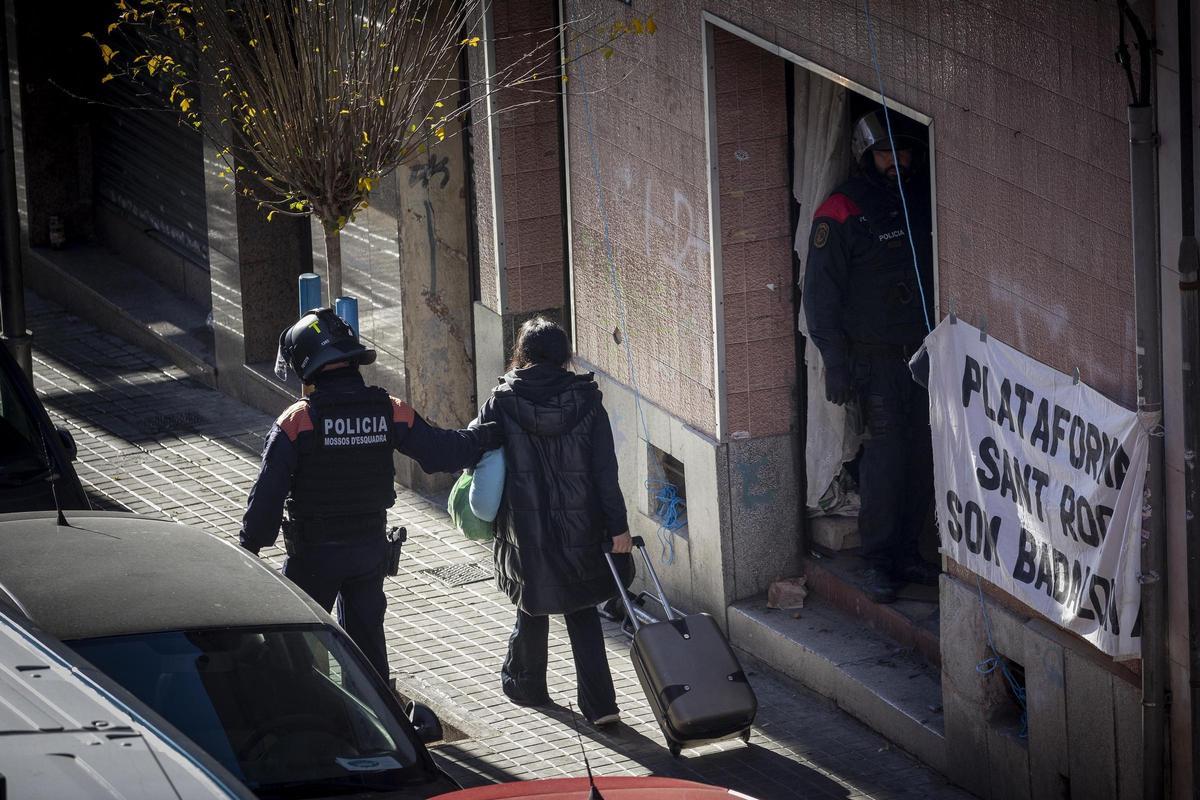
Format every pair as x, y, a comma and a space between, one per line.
888, 688
121, 300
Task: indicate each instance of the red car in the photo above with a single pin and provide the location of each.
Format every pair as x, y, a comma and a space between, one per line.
624, 788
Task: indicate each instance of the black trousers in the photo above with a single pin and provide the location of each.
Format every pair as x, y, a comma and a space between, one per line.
524, 672
895, 473
353, 574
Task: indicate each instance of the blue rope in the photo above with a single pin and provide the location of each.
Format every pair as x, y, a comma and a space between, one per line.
996, 661
670, 508
899, 182
665, 538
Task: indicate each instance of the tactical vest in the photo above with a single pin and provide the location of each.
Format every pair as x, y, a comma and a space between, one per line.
883, 301
344, 471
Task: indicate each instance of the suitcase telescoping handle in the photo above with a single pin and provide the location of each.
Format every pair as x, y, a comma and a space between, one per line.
625, 599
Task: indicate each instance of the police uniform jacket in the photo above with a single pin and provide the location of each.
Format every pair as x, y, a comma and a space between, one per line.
860, 287
561, 499
329, 456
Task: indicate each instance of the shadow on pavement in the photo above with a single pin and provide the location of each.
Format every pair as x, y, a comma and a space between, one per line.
750, 769
468, 768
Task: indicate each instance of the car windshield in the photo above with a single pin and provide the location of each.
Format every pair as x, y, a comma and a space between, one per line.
291, 711
20, 451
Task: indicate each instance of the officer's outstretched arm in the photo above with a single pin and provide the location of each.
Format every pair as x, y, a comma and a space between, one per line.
439, 449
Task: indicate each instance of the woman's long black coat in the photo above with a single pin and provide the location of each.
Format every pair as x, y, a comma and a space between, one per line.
561, 498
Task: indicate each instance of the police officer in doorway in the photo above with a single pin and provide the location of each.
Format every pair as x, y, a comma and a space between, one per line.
329, 456
866, 309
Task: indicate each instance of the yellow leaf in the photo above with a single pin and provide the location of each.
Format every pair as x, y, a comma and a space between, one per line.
381, 103
107, 53
107, 78
366, 139
112, 27
89, 36
152, 65
185, 104
650, 26
438, 104
472, 41
396, 68
271, 214
440, 133
345, 112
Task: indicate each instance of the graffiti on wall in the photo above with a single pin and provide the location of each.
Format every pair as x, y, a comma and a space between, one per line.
423, 174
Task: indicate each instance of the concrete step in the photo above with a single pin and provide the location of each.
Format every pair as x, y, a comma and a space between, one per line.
890, 688
834, 533
93, 283
912, 622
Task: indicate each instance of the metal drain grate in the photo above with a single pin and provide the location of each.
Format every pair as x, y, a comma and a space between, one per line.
462, 574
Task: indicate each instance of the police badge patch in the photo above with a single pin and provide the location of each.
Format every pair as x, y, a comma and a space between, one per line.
821, 235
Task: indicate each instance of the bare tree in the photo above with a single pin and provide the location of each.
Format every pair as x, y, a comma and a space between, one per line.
324, 96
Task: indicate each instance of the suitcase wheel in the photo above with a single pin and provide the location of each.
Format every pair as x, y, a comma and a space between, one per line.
674, 748
746, 737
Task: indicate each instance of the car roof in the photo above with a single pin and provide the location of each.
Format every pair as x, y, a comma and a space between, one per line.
613, 788
112, 573
68, 736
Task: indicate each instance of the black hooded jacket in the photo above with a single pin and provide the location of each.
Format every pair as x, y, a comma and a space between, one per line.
561, 498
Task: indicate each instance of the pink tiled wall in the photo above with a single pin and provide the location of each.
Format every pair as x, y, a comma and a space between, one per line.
530, 164
529, 143
1031, 176
756, 240
645, 110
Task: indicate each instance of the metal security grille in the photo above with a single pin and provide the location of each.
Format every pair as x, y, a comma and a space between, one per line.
462, 574
150, 168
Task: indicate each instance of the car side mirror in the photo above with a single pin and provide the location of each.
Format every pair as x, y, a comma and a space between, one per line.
68, 443
425, 722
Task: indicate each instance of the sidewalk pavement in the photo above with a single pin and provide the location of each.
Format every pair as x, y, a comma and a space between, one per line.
155, 441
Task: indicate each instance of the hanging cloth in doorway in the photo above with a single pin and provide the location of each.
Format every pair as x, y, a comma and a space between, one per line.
822, 161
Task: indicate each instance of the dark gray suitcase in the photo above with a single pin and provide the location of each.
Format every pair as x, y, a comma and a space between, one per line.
689, 674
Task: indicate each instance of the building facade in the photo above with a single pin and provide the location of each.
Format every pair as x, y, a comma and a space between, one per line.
667, 189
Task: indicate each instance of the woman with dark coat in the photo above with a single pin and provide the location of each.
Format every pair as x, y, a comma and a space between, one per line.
560, 511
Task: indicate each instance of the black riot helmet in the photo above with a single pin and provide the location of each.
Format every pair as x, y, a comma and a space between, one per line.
871, 133
318, 338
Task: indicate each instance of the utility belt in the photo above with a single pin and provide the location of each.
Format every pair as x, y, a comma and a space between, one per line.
341, 529
867, 351
299, 535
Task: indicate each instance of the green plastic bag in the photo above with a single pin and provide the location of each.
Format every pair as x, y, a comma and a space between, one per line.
459, 508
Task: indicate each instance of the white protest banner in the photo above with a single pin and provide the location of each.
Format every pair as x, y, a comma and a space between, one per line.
1039, 484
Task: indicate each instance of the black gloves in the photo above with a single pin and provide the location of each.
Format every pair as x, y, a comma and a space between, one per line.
491, 435
838, 389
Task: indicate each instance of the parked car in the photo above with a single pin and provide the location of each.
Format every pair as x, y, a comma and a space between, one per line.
69, 733
228, 651
35, 457
618, 788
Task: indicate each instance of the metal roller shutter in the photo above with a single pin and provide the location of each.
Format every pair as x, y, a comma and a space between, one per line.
150, 168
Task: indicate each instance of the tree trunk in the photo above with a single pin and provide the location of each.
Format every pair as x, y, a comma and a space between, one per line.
333, 256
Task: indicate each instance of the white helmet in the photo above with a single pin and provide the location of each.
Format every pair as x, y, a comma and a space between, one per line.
870, 132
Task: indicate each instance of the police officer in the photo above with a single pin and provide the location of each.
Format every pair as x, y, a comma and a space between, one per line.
867, 315
330, 457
